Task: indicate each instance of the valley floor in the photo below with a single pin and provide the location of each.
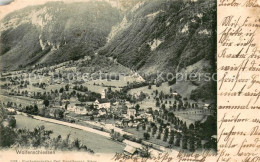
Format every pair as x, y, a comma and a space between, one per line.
94, 139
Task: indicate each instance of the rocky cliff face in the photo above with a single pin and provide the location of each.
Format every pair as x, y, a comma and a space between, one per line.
148, 36
165, 36
168, 36
55, 32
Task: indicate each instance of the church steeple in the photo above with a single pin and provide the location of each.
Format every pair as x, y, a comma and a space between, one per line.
104, 94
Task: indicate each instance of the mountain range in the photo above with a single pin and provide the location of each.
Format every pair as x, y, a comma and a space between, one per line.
147, 36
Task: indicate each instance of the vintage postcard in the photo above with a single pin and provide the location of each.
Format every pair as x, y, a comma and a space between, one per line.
129, 80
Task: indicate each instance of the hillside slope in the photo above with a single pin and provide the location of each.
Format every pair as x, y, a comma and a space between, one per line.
55, 32
147, 36
164, 36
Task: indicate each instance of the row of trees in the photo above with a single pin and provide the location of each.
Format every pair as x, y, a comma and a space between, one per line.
180, 135
185, 138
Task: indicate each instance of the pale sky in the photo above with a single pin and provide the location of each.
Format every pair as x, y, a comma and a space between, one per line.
19, 4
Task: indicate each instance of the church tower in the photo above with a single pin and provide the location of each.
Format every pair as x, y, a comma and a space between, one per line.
103, 94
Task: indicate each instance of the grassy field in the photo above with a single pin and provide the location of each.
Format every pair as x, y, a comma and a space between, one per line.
190, 119
96, 88
25, 101
181, 88
96, 142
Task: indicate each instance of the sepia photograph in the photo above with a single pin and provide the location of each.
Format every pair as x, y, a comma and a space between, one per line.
129, 78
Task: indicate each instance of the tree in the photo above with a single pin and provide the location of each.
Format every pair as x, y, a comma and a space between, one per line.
154, 130
7, 137
160, 129
157, 103
166, 133
171, 140
92, 107
172, 81
161, 95
174, 107
76, 143
198, 142
210, 126
186, 105
178, 140
150, 86
132, 118
61, 114
46, 102
191, 127
192, 144
184, 127
61, 90
180, 106
159, 136
146, 136
184, 142
12, 122
137, 107
144, 126
145, 152
163, 106
35, 110
67, 87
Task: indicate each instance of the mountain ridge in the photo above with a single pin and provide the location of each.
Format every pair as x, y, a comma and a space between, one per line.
46, 28
168, 36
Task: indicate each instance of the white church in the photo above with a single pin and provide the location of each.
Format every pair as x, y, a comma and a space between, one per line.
103, 102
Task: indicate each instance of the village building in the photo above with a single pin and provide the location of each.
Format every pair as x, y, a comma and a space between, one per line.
71, 107
80, 109
130, 150
38, 102
132, 147
104, 94
102, 103
131, 112
102, 112
149, 117
133, 124
54, 112
128, 104
206, 106
87, 58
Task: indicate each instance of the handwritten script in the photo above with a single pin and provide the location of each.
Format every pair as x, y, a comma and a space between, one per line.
238, 80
